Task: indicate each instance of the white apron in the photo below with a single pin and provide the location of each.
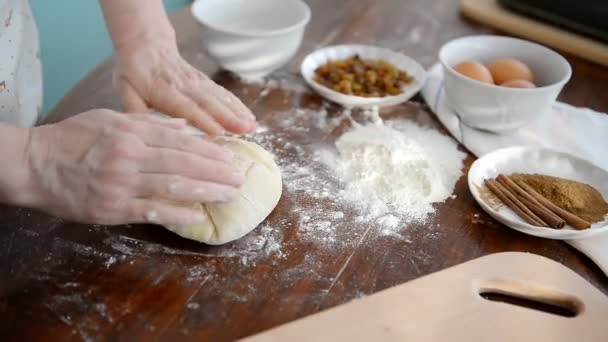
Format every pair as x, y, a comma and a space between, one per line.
20, 72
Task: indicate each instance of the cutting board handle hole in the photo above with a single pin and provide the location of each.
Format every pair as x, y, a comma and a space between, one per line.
531, 297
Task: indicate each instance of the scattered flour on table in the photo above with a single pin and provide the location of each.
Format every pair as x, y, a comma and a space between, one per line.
263, 242
381, 174
284, 81
389, 221
370, 184
193, 306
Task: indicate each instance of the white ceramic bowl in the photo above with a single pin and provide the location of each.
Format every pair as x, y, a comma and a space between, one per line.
495, 108
251, 38
401, 61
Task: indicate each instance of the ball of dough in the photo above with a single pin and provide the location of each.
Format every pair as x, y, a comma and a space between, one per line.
256, 199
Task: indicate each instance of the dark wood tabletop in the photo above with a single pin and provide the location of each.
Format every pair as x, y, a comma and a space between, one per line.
68, 281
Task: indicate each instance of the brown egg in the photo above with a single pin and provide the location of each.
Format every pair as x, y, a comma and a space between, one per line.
518, 84
475, 70
507, 69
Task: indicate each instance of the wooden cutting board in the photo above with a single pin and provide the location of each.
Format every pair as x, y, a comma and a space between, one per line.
448, 306
490, 13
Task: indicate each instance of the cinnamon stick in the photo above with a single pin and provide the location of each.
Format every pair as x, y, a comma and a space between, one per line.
571, 219
536, 207
513, 203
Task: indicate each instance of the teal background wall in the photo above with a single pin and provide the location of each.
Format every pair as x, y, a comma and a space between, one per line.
73, 40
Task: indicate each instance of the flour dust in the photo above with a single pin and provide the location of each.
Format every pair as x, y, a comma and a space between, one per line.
380, 174
378, 180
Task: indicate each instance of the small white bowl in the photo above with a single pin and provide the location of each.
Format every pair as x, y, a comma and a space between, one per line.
495, 108
251, 38
401, 61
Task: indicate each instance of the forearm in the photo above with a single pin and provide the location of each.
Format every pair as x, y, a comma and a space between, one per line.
136, 20
16, 183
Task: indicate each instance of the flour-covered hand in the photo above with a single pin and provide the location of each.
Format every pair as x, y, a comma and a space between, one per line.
110, 168
154, 74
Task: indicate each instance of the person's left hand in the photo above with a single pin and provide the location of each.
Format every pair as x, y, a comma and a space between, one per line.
154, 74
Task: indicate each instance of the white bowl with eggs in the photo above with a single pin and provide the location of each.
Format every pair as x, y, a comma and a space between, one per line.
251, 38
484, 105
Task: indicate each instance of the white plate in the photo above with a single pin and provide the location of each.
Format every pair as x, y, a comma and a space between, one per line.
401, 61
594, 241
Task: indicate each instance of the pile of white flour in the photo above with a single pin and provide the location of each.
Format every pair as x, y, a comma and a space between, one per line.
395, 172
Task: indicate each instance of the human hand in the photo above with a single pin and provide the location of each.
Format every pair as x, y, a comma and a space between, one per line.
152, 73
109, 168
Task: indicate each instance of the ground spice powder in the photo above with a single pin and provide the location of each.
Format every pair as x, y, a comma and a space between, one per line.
578, 198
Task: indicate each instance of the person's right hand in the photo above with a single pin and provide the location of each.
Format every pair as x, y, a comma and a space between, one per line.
105, 167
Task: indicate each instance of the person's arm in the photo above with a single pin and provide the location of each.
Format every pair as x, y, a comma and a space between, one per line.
136, 20
150, 72
106, 167
16, 186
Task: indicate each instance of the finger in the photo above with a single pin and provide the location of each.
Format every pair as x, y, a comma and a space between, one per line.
157, 212
221, 113
131, 101
158, 136
235, 104
175, 123
173, 162
174, 103
180, 189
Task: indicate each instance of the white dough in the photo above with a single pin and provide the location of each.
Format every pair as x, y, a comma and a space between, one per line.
258, 196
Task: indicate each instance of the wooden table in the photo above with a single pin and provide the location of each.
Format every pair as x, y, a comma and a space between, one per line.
62, 280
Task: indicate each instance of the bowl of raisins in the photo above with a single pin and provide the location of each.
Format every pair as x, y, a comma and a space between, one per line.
363, 76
